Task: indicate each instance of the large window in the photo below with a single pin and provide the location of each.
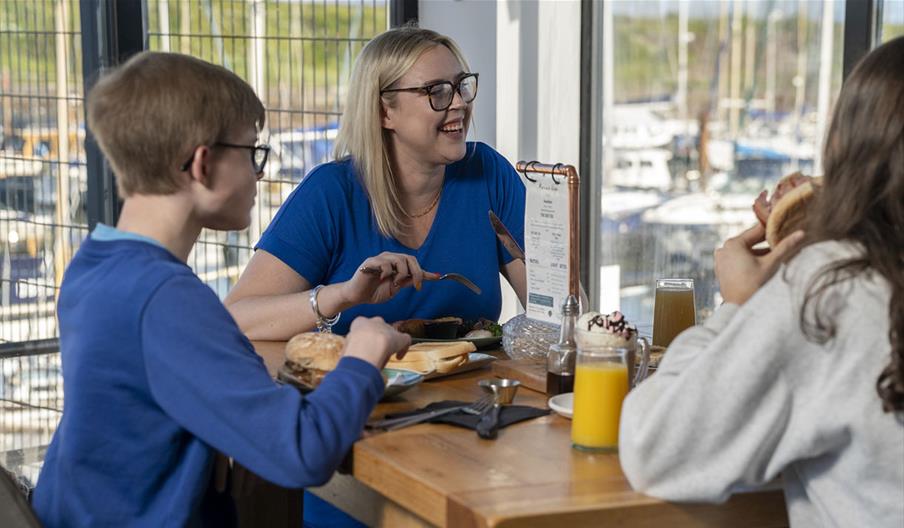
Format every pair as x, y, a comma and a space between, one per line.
704, 104
43, 189
42, 161
892, 23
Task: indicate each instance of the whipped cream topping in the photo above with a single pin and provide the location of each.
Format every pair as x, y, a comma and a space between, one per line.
614, 323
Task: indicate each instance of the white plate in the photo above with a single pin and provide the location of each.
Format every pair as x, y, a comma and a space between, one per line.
562, 404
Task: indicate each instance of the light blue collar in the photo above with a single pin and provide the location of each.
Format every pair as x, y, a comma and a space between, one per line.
105, 233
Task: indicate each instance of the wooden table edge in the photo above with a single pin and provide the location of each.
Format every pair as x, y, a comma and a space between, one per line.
762, 508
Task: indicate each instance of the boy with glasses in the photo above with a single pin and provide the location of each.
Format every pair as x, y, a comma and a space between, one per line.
158, 377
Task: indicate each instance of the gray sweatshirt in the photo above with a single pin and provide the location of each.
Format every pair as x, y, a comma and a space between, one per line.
746, 398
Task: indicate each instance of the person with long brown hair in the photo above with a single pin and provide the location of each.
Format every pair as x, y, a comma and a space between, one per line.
801, 372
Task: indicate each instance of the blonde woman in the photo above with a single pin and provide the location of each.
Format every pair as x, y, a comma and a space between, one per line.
406, 196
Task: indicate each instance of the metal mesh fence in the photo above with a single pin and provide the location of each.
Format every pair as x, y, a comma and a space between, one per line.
31, 403
42, 161
43, 188
297, 55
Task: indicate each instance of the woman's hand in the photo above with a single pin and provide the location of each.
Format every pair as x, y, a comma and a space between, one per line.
379, 278
741, 270
374, 341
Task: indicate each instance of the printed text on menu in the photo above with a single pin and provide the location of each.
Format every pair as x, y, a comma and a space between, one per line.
546, 247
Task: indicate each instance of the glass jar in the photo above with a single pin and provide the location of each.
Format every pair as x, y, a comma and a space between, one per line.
601, 384
560, 359
523, 337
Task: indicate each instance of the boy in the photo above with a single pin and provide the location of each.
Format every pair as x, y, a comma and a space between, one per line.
157, 375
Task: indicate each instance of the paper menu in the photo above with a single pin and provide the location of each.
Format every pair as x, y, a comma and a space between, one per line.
547, 243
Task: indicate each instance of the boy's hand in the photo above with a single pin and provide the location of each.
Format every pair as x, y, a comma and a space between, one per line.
374, 341
741, 270
379, 278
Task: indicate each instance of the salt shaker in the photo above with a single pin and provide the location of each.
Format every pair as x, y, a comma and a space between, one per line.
561, 356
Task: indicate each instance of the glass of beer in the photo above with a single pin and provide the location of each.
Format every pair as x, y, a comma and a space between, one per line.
600, 386
673, 311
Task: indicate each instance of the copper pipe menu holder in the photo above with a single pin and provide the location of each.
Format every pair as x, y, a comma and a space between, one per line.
571, 178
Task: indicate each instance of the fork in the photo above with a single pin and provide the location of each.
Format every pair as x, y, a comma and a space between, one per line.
457, 277
390, 424
461, 279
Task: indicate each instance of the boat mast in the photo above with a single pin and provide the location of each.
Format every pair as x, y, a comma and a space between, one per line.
825, 79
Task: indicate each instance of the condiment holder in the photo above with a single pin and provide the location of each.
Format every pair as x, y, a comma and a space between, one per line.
503, 390
526, 338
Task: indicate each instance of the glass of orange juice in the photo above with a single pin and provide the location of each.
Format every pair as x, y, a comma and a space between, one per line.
600, 385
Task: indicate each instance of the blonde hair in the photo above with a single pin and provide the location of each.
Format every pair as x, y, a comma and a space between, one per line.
149, 115
382, 62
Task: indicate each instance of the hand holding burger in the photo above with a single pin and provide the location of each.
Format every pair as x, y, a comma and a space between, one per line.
786, 210
311, 355
741, 270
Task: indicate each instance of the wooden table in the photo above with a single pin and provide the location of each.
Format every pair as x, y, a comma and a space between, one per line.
442, 475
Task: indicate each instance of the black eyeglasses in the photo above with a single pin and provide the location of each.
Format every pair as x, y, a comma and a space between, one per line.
259, 155
441, 93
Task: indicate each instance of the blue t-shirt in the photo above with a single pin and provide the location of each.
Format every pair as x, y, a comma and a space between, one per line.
326, 229
157, 376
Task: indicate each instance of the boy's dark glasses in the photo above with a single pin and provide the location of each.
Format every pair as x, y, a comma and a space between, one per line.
441, 93
259, 155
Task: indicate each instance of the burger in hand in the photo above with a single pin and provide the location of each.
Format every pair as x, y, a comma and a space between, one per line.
311, 356
786, 210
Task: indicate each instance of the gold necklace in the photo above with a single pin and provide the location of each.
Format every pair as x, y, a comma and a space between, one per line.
427, 210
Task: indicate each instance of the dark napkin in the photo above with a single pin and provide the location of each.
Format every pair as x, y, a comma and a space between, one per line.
508, 415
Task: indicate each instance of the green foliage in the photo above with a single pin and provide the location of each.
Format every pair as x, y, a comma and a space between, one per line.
305, 44
28, 42
646, 58
303, 41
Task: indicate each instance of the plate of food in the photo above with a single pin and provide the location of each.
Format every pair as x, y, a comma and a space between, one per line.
311, 356
563, 404
475, 361
437, 359
483, 333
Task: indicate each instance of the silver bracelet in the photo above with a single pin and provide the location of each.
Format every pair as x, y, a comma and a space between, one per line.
324, 324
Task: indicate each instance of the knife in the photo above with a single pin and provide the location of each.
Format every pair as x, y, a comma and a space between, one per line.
504, 236
391, 424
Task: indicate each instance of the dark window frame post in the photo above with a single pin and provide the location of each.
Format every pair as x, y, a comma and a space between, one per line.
402, 11
112, 31
861, 31
589, 159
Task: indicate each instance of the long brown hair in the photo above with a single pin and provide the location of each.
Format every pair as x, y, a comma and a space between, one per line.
862, 200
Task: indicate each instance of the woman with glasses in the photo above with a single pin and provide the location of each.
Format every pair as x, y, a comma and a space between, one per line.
406, 200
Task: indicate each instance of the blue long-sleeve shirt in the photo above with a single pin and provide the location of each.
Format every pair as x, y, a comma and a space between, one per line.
157, 376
